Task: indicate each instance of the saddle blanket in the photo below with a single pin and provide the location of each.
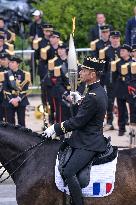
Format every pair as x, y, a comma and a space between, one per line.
102, 179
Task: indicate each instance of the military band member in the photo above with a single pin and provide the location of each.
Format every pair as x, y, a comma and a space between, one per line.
9, 36
61, 87
87, 137
3, 46
95, 32
15, 88
101, 43
110, 54
122, 75
43, 47
132, 83
3, 68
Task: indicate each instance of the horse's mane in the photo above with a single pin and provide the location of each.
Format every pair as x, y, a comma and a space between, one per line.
19, 128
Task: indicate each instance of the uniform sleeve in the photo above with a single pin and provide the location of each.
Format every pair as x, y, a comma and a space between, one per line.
6, 89
86, 111
25, 88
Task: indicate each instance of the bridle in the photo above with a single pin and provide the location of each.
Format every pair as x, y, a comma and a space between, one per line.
18, 156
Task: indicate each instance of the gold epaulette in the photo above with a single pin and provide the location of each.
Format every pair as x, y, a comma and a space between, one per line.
10, 46
57, 72
68, 87
43, 52
124, 70
36, 43
93, 44
94, 94
2, 76
133, 67
26, 80
51, 63
11, 53
13, 36
114, 65
27, 76
102, 53
1, 33
60, 42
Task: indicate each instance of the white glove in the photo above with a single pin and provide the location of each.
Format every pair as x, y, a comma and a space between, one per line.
75, 96
49, 132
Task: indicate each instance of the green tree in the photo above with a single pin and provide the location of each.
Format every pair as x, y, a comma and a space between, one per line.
60, 14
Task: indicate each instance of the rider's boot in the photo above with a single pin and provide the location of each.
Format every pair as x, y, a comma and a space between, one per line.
75, 190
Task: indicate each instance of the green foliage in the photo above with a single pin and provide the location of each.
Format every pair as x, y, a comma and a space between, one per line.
60, 14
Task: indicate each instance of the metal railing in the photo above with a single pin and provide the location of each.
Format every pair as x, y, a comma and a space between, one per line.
29, 62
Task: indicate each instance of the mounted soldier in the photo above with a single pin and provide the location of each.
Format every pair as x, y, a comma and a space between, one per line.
87, 138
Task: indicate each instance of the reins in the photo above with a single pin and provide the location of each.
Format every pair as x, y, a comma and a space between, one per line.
19, 155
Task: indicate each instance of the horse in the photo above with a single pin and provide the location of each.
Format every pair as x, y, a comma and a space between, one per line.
33, 170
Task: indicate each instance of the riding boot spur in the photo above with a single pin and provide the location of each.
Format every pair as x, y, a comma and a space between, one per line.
75, 190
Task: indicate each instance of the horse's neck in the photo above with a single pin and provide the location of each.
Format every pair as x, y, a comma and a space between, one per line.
17, 139
12, 143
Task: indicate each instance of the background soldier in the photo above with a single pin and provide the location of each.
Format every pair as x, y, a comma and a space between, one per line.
3, 46
3, 67
15, 89
103, 42
112, 53
122, 78
9, 36
61, 88
43, 47
52, 55
95, 32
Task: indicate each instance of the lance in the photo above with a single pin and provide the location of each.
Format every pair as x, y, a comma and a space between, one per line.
72, 66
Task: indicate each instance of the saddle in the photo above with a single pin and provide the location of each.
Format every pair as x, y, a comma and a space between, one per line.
65, 152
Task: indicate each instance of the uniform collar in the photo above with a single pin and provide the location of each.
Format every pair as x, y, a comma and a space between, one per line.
94, 85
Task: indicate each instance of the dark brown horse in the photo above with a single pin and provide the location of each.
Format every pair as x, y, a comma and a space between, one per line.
35, 178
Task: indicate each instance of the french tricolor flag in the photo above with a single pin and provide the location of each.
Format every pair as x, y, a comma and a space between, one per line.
101, 188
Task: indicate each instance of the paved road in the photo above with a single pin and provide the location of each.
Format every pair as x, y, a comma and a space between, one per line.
7, 190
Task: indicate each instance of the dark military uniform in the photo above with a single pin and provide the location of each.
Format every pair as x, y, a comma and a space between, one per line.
16, 86
49, 56
109, 55
122, 76
87, 136
2, 70
44, 46
102, 43
87, 129
121, 92
9, 36
1, 93
60, 90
